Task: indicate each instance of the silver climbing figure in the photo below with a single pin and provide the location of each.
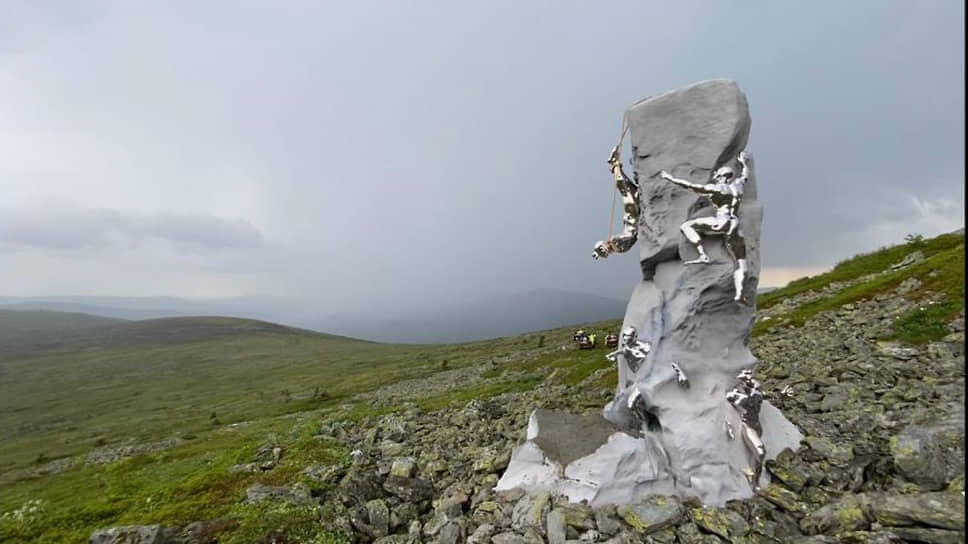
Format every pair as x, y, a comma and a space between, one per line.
746, 398
726, 193
634, 350
630, 202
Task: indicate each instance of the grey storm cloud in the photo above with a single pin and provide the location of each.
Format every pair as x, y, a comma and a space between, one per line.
53, 228
397, 153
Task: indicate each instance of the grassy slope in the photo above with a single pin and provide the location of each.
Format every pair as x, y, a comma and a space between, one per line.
942, 274
64, 403
15, 324
68, 401
861, 265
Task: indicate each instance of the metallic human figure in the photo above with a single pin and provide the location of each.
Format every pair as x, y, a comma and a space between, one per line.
630, 202
681, 377
746, 398
634, 350
725, 193
639, 410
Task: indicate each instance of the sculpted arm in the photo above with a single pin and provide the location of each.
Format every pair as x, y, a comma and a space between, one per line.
742, 161
686, 184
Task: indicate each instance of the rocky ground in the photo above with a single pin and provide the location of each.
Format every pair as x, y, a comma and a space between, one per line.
882, 461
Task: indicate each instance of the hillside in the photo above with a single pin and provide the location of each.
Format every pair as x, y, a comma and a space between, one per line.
438, 321
17, 324
872, 353
108, 334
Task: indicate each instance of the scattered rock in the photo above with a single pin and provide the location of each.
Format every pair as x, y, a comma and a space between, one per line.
403, 467
606, 519
508, 538
847, 514
379, 516
930, 455
204, 532
782, 497
909, 259
652, 514
359, 486
134, 534
929, 536
720, 521
897, 350
942, 510
529, 511
556, 527
481, 535
838, 454
788, 469
106, 454
245, 468
409, 489
297, 494
323, 473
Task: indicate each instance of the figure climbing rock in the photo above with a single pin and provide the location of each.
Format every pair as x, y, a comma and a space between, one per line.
630, 202
746, 398
726, 193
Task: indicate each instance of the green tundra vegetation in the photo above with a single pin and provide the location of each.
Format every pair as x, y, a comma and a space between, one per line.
218, 389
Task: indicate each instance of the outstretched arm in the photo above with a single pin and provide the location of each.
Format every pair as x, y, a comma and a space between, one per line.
623, 183
683, 183
742, 161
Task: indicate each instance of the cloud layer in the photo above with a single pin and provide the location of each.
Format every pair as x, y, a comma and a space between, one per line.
403, 153
67, 228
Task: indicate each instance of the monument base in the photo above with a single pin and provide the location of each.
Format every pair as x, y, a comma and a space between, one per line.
587, 458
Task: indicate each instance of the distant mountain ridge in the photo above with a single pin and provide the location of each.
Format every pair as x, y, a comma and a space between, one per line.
491, 317
488, 317
24, 332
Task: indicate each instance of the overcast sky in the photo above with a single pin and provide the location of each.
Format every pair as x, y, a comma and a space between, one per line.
387, 151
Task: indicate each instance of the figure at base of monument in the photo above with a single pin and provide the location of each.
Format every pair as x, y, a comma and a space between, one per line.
746, 398
726, 194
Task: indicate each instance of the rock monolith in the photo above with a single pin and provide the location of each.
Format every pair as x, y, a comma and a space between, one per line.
659, 435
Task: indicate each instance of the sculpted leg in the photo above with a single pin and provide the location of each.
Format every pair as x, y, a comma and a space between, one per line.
737, 246
739, 277
691, 229
756, 447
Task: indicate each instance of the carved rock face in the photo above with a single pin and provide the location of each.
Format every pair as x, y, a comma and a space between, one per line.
689, 133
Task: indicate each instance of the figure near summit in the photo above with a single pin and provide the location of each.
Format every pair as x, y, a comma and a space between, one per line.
726, 193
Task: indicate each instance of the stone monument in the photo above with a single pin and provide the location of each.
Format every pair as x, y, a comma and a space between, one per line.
688, 417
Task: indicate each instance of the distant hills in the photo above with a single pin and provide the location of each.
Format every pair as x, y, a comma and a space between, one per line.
484, 318
487, 317
32, 332
16, 324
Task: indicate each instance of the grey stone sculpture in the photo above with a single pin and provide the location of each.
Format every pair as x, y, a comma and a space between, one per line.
671, 426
